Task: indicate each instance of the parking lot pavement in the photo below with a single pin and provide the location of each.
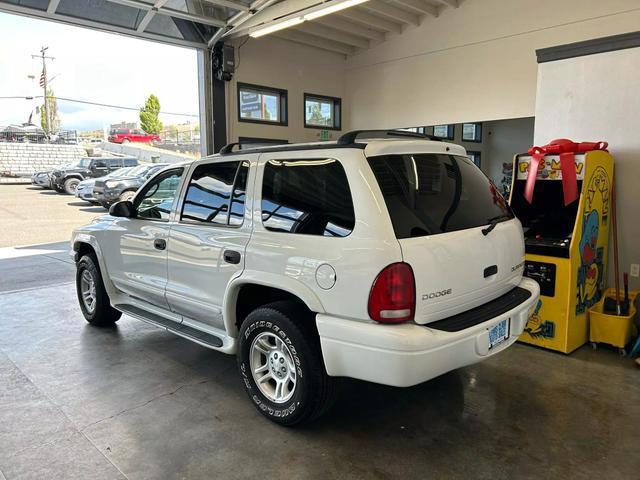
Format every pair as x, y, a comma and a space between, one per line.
134, 401
31, 215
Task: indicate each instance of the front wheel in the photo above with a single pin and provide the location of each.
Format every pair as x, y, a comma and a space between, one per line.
70, 186
92, 296
281, 364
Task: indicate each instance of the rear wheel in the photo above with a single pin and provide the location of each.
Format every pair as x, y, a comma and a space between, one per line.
70, 185
125, 140
92, 296
281, 364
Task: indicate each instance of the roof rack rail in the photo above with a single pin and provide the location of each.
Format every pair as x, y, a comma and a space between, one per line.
350, 137
228, 148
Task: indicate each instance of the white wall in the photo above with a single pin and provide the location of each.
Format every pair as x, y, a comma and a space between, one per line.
272, 62
592, 98
473, 63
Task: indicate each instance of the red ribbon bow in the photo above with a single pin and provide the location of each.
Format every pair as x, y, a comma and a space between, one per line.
566, 149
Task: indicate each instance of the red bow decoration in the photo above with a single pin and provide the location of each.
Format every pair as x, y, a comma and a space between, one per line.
566, 149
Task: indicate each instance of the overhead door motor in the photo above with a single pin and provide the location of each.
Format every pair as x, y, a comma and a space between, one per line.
224, 62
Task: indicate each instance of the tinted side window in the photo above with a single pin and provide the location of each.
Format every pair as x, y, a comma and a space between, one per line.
307, 196
100, 164
130, 162
155, 201
114, 162
210, 190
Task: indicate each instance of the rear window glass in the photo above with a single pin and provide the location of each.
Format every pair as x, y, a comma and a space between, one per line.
308, 197
427, 194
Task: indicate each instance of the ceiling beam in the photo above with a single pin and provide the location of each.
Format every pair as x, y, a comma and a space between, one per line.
371, 20
449, 3
331, 34
229, 4
389, 11
420, 6
353, 28
312, 40
53, 5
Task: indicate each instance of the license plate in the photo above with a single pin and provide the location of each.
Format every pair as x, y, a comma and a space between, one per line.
498, 333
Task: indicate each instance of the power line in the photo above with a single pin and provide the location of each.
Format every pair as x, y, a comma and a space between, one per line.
86, 102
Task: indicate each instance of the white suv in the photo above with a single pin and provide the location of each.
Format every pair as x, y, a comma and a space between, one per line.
392, 260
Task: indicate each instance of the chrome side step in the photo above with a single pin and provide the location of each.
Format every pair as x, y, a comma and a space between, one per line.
203, 338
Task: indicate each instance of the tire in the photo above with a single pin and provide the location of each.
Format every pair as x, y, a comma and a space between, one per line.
58, 189
100, 313
70, 186
290, 330
127, 195
126, 140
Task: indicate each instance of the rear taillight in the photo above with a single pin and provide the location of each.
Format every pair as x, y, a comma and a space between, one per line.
393, 295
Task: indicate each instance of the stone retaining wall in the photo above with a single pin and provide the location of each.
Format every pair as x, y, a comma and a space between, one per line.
23, 159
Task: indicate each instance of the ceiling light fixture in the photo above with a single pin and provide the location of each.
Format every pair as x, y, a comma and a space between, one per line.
334, 7
318, 11
274, 27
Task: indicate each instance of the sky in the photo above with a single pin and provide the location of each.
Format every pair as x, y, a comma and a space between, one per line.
94, 66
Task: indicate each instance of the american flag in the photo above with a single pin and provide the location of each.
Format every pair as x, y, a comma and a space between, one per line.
42, 79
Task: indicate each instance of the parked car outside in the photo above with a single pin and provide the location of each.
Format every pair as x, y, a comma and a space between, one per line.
66, 179
107, 191
41, 179
388, 260
126, 135
84, 190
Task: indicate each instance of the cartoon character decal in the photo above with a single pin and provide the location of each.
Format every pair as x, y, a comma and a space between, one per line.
537, 327
595, 218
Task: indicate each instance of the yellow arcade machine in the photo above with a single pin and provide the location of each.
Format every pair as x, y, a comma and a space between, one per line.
565, 245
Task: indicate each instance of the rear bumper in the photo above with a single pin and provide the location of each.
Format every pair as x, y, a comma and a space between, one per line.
408, 354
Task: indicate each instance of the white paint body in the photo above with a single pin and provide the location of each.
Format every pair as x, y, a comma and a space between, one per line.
190, 282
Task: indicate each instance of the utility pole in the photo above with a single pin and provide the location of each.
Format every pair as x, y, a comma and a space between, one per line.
43, 84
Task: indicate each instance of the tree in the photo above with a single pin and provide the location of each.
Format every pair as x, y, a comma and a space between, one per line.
149, 121
52, 103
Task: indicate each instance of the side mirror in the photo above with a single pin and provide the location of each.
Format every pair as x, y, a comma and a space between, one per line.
122, 209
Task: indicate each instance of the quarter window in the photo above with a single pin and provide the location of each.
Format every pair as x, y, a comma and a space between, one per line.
322, 112
156, 200
262, 104
307, 197
216, 194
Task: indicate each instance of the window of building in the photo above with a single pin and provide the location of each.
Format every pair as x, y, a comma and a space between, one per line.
472, 132
322, 112
262, 104
444, 131
216, 194
309, 197
474, 157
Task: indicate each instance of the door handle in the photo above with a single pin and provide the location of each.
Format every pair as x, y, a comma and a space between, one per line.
160, 243
231, 256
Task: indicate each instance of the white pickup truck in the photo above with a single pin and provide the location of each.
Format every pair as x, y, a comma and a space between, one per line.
392, 260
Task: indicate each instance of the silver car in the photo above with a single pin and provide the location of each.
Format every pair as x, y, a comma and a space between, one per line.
84, 190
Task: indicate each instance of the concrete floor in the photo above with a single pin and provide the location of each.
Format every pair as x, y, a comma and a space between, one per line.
136, 402
30, 215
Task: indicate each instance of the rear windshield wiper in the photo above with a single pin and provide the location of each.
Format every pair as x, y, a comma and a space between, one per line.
493, 222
